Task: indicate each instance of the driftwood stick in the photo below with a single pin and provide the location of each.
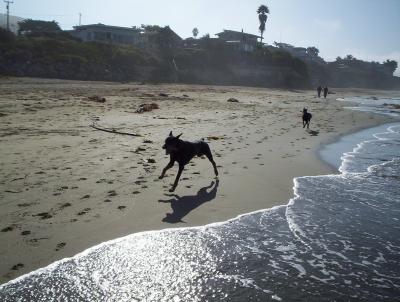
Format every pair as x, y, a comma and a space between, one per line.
113, 131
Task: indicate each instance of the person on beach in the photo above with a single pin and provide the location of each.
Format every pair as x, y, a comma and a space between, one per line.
325, 92
319, 89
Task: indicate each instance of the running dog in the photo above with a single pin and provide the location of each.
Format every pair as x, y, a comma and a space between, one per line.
306, 118
182, 152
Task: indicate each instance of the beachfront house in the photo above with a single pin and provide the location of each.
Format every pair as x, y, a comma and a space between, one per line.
145, 36
306, 54
13, 22
160, 37
298, 52
108, 34
239, 40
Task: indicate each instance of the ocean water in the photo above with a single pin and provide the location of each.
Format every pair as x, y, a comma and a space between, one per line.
376, 105
336, 240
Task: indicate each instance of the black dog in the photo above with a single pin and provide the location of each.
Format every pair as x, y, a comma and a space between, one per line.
182, 152
306, 118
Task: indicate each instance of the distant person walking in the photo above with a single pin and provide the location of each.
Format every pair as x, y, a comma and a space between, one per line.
325, 92
319, 89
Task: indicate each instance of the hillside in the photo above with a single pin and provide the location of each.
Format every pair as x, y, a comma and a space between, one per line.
58, 55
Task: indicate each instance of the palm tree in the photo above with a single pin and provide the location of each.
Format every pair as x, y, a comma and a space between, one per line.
262, 12
195, 32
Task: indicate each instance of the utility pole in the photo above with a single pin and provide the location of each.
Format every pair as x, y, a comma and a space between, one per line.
8, 13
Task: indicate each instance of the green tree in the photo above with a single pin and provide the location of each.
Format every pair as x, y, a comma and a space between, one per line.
195, 32
313, 51
37, 27
262, 12
391, 65
349, 58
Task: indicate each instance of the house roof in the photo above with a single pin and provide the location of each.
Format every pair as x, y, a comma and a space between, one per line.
237, 32
103, 26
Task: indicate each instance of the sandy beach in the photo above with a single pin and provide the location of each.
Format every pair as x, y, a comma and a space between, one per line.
65, 186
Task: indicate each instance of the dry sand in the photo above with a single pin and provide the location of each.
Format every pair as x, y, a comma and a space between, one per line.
65, 186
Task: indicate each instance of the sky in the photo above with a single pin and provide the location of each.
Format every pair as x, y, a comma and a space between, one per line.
367, 29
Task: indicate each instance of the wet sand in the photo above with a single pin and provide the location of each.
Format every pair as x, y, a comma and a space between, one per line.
65, 186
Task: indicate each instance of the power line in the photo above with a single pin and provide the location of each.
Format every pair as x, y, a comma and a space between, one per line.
41, 15
8, 13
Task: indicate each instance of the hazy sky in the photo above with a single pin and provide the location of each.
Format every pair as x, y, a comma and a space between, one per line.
367, 29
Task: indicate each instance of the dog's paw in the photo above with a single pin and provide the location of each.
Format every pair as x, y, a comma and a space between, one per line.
160, 177
171, 190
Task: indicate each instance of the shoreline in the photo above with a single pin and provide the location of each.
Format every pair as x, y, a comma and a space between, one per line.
240, 192
350, 140
173, 229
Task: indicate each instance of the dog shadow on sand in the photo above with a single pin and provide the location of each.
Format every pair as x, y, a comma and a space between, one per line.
313, 132
183, 205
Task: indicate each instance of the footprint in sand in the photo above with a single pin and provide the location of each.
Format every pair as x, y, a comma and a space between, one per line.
65, 205
17, 266
136, 192
8, 229
60, 246
121, 207
83, 212
112, 193
107, 200
44, 215
24, 233
23, 205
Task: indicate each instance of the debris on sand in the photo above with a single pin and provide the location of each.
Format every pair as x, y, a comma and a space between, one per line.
233, 100
147, 107
393, 106
214, 138
139, 149
163, 94
148, 95
96, 98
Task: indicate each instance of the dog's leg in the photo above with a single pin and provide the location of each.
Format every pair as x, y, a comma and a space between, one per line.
177, 178
169, 166
210, 158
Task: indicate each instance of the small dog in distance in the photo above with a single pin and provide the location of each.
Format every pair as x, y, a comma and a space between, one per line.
306, 118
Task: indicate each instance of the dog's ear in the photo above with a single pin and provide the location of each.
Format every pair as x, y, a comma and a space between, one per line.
170, 134
179, 135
